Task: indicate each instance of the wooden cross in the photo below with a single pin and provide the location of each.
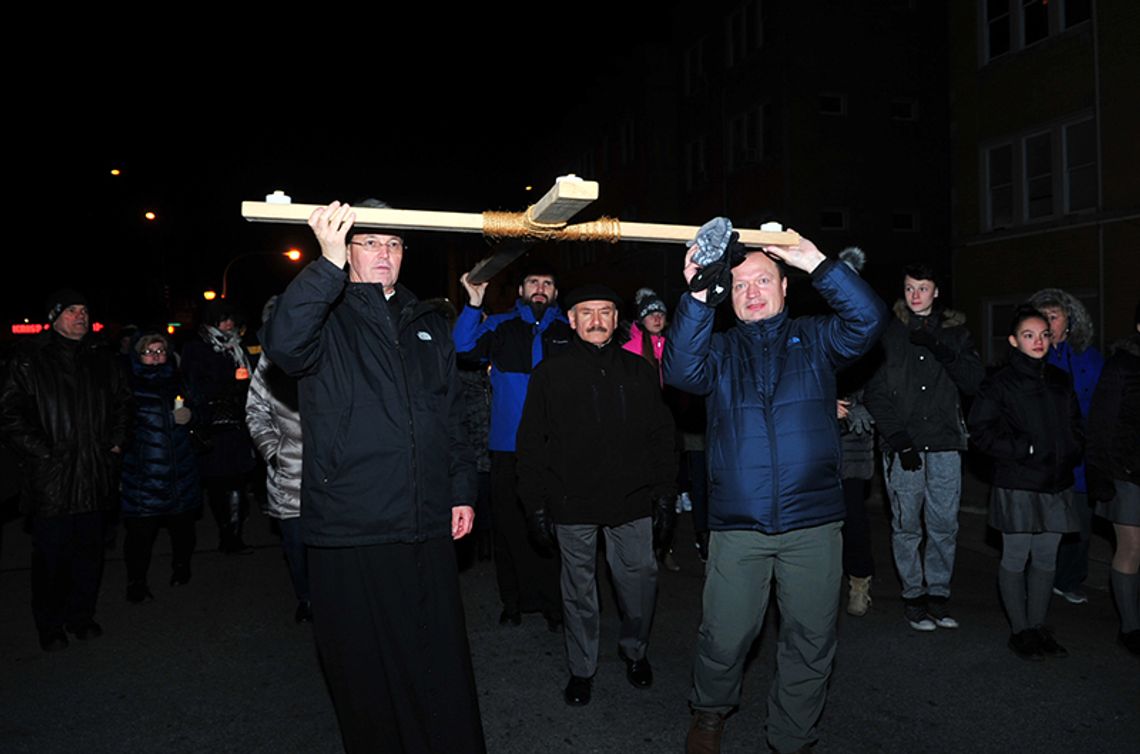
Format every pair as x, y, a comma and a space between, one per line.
546, 219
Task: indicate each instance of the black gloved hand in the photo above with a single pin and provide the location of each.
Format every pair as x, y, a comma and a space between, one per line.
927, 338
664, 520
910, 460
541, 531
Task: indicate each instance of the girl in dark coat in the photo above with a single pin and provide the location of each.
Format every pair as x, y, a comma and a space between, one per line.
160, 473
1027, 419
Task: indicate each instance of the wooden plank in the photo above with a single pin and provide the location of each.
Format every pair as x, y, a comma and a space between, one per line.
566, 198
369, 217
683, 234
492, 265
472, 222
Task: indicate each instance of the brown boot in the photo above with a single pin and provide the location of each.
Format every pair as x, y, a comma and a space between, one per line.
705, 731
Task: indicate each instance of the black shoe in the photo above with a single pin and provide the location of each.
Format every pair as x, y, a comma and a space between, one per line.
1049, 644
1026, 645
513, 617
554, 623
53, 640
138, 593
304, 612
1130, 641
180, 576
86, 630
638, 672
578, 689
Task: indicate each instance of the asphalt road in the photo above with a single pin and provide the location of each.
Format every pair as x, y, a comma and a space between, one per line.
219, 665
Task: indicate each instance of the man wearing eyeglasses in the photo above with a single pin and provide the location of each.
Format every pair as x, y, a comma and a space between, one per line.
388, 481
65, 407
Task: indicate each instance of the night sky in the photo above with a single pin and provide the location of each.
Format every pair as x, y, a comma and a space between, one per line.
443, 112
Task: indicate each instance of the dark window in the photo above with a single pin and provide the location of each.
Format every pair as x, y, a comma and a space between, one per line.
997, 28
1034, 21
1039, 176
1077, 12
832, 104
833, 219
1000, 186
904, 222
904, 108
1080, 166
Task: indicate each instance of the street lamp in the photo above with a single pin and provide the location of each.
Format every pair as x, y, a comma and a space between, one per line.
293, 255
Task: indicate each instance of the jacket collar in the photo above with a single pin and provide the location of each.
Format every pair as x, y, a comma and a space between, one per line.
767, 330
1026, 365
551, 315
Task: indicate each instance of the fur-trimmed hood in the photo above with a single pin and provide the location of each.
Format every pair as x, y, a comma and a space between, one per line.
947, 317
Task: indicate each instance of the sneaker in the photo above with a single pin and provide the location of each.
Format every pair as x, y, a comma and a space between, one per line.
686, 503
938, 613
1049, 644
669, 562
1073, 597
859, 595
705, 732
1026, 645
702, 545
918, 619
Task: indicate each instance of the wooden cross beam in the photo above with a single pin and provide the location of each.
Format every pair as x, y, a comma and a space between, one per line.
544, 220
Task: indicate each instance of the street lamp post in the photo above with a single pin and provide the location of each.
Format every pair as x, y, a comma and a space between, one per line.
293, 255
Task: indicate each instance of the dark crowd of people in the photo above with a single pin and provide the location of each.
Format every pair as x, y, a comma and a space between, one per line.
382, 433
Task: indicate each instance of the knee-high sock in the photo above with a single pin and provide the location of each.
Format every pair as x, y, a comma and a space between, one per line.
1040, 590
1126, 590
1011, 585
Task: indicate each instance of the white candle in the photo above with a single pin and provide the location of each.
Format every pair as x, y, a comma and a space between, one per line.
178, 402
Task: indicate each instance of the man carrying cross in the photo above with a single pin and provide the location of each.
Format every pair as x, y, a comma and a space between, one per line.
388, 480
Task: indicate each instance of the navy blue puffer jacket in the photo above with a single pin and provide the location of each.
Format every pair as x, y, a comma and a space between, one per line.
773, 448
160, 470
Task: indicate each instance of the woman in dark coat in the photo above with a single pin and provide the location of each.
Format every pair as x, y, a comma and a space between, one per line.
160, 474
1114, 474
218, 371
1027, 419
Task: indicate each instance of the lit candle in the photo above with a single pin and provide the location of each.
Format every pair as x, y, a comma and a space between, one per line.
178, 402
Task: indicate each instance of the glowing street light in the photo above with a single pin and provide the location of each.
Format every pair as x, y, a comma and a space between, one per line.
292, 255
116, 171
209, 295
150, 216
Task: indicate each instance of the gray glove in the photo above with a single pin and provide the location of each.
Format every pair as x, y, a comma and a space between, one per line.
859, 419
712, 240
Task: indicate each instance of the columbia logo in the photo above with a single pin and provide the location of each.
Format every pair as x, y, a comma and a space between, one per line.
423, 335
793, 340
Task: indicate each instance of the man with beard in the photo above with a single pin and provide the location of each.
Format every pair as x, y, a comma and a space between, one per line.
514, 343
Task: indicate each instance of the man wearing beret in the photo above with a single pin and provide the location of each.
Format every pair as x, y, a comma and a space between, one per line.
596, 452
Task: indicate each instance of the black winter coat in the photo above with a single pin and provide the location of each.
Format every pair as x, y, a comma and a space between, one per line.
385, 454
63, 406
220, 410
160, 470
1028, 404
1114, 419
596, 441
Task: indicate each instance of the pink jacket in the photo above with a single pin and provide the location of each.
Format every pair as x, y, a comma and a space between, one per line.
633, 345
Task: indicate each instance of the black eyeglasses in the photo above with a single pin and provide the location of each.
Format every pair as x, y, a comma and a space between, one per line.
154, 352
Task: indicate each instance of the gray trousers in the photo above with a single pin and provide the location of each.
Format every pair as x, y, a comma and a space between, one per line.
629, 552
930, 495
807, 565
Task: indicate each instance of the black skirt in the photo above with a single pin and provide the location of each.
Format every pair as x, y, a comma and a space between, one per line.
1124, 508
1026, 511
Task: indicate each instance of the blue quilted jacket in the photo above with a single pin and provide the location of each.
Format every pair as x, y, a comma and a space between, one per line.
772, 443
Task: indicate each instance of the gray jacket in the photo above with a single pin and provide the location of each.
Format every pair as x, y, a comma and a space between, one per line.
275, 426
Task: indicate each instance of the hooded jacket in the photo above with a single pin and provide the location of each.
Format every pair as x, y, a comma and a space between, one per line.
773, 449
914, 396
514, 343
64, 405
160, 469
385, 455
275, 427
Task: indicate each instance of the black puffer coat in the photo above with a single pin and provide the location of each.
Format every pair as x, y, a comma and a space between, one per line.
385, 457
160, 470
1026, 418
64, 405
220, 417
1114, 420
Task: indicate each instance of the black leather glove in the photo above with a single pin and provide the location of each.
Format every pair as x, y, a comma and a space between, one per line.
910, 460
926, 338
541, 531
664, 520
